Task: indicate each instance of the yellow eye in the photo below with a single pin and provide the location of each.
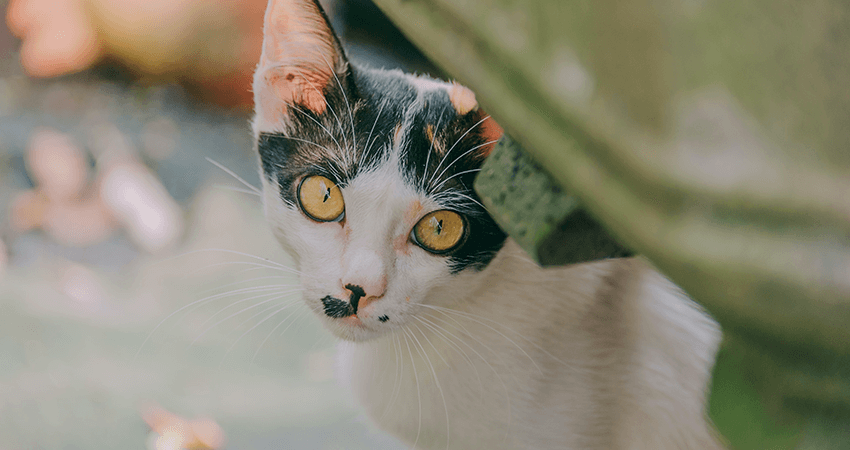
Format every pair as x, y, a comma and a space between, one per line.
321, 199
440, 231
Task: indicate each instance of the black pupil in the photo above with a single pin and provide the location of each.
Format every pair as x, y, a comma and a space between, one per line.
327, 194
439, 226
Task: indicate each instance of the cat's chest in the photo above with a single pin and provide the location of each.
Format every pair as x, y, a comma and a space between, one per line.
424, 391
457, 383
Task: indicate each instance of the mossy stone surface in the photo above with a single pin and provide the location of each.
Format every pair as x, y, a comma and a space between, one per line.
543, 218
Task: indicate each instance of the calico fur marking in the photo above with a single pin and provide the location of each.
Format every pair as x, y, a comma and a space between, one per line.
301, 58
462, 98
490, 351
445, 176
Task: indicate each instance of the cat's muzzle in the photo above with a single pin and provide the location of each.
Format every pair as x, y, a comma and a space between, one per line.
338, 309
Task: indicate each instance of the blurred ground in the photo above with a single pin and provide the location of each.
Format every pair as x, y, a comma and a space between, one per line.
76, 366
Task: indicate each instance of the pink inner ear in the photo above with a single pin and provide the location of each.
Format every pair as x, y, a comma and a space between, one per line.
303, 88
298, 55
490, 131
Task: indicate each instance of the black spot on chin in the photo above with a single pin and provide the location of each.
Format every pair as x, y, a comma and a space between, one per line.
337, 308
383, 318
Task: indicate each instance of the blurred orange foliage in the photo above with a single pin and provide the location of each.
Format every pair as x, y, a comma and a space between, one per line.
209, 45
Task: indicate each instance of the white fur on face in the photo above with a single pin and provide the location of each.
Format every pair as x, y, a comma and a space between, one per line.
369, 248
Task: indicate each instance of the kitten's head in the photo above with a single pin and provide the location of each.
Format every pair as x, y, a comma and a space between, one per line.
367, 177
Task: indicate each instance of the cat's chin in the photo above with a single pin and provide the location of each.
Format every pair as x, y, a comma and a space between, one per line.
351, 329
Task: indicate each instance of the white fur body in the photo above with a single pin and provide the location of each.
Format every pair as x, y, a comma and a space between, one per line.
606, 355
603, 355
440, 352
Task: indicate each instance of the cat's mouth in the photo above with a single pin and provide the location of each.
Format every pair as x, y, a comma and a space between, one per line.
348, 321
345, 312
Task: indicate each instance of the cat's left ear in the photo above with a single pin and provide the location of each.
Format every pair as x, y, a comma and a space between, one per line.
464, 102
301, 61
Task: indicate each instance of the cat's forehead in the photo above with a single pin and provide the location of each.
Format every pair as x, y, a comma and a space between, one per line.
414, 97
431, 129
392, 137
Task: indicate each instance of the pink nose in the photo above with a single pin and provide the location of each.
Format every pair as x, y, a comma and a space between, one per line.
368, 290
359, 297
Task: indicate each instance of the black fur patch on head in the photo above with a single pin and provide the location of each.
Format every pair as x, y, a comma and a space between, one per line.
441, 155
285, 160
348, 137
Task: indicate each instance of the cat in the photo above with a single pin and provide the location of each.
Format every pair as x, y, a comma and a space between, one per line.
451, 337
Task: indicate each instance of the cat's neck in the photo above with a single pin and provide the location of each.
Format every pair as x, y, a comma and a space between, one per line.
605, 348
514, 286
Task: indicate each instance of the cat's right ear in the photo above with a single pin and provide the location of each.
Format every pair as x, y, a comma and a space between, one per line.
301, 60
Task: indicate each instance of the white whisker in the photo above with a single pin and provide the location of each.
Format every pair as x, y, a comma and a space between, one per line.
430, 181
472, 317
272, 332
495, 372
369, 142
418, 391
285, 306
251, 264
278, 295
304, 113
458, 159
428, 155
338, 121
264, 310
183, 308
399, 367
270, 290
250, 280
434, 374
347, 103
234, 252
330, 152
471, 336
250, 186
446, 197
436, 328
236, 189
453, 176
